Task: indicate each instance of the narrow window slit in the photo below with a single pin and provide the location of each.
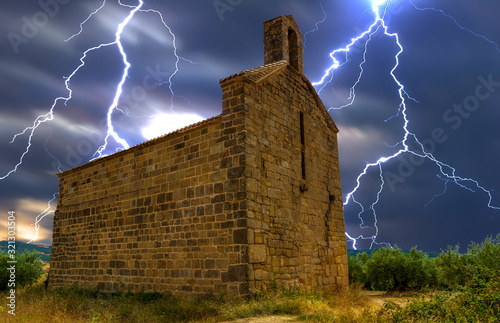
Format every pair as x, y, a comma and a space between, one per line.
302, 146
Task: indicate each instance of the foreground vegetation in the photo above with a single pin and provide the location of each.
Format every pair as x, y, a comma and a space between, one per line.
469, 284
36, 304
29, 269
450, 288
392, 269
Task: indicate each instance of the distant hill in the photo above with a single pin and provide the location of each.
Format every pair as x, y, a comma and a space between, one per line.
352, 252
43, 251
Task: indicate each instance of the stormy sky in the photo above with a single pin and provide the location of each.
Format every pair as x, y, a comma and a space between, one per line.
450, 74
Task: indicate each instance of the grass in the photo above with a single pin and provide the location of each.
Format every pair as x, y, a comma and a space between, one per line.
74, 304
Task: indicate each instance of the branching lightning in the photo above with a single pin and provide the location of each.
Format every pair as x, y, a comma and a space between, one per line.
111, 133
316, 25
119, 90
85, 21
456, 24
49, 210
446, 172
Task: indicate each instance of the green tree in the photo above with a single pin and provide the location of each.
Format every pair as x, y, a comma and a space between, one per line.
475, 277
481, 261
450, 268
392, 269
486, 254
357, 268
28, 269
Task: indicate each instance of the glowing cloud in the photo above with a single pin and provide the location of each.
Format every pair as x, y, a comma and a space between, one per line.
378, 3
165, 123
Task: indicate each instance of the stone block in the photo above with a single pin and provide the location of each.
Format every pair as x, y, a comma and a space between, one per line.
257, 253
254, 224
235, 273
236, 172
240, 236
261, 275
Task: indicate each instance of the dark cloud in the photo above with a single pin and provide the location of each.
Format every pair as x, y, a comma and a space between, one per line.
441, 67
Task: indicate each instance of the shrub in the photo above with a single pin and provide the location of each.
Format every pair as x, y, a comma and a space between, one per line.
480, 297
478, 301
455, 269
357, 268
486, 254
475, 277
28, 269
392, 269
450, 268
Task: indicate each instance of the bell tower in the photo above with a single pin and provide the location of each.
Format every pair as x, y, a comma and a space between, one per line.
283, 41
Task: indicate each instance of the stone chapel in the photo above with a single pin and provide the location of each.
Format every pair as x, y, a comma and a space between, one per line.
228, 205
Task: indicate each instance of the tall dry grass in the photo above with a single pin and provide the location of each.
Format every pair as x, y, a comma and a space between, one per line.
74, 304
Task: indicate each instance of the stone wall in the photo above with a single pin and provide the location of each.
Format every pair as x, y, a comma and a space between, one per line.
167, 215
295, 211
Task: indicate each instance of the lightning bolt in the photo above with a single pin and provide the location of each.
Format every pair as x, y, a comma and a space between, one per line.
446, 172
446, 181
49, 116
111, 133
456, 24
85, 21
119, 90
316, 25
49, 210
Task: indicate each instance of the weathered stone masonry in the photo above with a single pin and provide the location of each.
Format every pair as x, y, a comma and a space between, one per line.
226, 205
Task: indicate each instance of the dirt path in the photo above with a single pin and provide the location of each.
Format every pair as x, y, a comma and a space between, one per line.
266, 319
377, 300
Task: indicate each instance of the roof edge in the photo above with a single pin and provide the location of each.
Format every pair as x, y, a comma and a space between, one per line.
140, 145
245, 75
